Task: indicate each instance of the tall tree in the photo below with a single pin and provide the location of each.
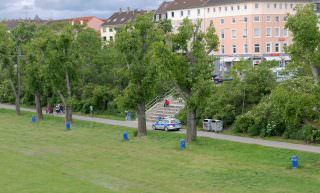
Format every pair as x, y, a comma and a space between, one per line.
305, 50
64, 65
193, 72
137, 42
13, 56
35, 67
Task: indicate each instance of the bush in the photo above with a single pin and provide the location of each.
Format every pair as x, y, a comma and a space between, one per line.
244, 123
311, 134
284, 112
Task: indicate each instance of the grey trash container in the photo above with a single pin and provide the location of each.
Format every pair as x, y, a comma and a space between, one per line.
217, 125
207, 124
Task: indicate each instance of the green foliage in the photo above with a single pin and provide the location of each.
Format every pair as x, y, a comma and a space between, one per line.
304, 51
165, 25
284, 112
250, 85
137, 43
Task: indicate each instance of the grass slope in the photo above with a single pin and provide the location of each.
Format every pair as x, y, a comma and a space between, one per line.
43, 158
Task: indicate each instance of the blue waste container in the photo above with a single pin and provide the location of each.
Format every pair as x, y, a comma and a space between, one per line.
125, 136
34, 119
182, 144
294, 162
68, 125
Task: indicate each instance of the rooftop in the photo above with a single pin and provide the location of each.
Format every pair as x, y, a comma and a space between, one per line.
123, 17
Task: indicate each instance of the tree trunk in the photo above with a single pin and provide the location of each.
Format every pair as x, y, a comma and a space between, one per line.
38, 106
68, 113
142, 125
67, 105
315, 71
192, 126
18, 76
17, 101
18, 111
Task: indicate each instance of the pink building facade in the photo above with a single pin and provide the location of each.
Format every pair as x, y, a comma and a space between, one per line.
253, 30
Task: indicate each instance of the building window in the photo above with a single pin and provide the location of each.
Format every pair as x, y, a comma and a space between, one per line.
245, 33
226, 8
268, 18
256, 48
245, 6
104, 29
285, 32
181, 13
231, 8
285, 45
221, 21
211, 22
277, 18
208, 10
234, 49
214, 9
245, 48
269, 32
233, 20
245, 19
277, 47
286, 6
222, 49
238, 7
199, 11
222, 34
256, 32
189, 12
111, 38
110, 30
234, 34
277, 32
291, 6
220, 9
256, 5
172, 14
268, 5
280, 5
269, 48
275, 5
256, 18
104, 38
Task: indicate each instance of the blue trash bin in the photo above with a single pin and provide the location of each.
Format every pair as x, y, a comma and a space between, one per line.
182, 144
294, 162
125, 136
68, 125
34, 119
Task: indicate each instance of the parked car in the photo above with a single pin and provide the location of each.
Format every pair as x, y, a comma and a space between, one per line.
167, 124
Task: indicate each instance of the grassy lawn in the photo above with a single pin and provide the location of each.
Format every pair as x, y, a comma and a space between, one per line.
43, 158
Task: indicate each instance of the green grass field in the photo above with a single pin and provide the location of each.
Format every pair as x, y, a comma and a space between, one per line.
43, 158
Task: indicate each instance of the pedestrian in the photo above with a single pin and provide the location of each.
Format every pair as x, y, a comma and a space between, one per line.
58, 108
127, 112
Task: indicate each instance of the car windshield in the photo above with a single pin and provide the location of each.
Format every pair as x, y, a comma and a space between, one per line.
174, 121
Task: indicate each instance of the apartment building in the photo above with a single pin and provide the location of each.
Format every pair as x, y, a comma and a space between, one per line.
253, 30
116, 21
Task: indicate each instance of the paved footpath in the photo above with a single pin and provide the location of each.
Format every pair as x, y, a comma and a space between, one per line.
247, 140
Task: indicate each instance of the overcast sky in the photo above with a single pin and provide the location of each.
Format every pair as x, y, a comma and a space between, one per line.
56, 9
